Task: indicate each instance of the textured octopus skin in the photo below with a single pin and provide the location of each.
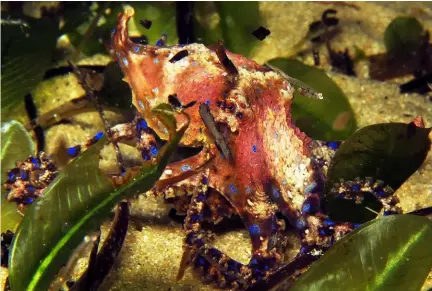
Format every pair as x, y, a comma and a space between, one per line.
272, 167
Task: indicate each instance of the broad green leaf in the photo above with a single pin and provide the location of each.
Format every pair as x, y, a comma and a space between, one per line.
329, 119
236, 28
389, 152
27, 50
390, 253
225, 21
16, 145
75, 203
404, 35
162, 15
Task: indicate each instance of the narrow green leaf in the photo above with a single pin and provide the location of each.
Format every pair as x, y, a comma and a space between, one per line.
390, 253
16, 145
329, 119
404, 35
73, 205
27, 48
389, 152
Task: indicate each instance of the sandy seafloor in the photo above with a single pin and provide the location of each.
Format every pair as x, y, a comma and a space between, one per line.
150, 256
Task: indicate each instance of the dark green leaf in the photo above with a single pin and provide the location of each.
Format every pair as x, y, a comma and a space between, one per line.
329, 119
389, 152
73, 205
404, 35
16, 145
115, 92
391, 253
236, 28
75, 14
27, 49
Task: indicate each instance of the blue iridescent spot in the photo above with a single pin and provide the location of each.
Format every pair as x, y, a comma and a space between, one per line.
30, 188
275, 192
254, 230
306, 208
98, 135
144, 156
303, 250
356, 187
136, 49
11, 176
232, 188
356, 225
381, 193
322, 232
207, 102
333, 145
154, 150
310, 188
185, 168
29, 200
329, 222
159, 43
156, 60
201, 261
74, 151
34, 161
125, 62
300, 224
113, 31
254, 148
248, 189
253, 262
195, 218
24, 175
142, 125
240, 115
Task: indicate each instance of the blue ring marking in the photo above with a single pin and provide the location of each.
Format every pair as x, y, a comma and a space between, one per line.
329, 222
254, 230
356, 187
34, 161
311, 187
254, 148
201, 261
300, 224
154, 150
248, 189
185, 168
74, 151
24, 175
207, 102
159, 43
357, 225
322, 232
29, 200
11, 176
98, 135
276, 192
125, 62
306, 208
233, 188
333, 145
136, 49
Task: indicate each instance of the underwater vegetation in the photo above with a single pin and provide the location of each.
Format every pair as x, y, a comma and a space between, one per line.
172, 102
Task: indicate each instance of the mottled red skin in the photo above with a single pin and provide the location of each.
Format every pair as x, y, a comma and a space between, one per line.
270, 154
